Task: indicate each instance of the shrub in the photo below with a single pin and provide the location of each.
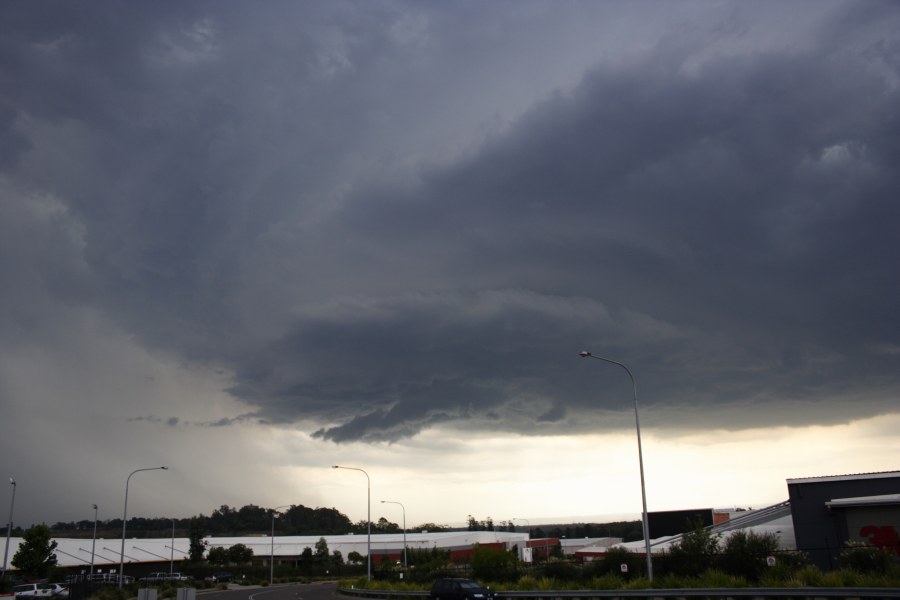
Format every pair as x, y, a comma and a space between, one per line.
745, 554
607, 581
671, 581
109, 592
786, 565
694, 553
718, 579
612, 561
490, 562
808, 576
562, 570
863, 558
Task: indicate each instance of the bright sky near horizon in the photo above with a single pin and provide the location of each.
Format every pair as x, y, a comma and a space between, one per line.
250, 242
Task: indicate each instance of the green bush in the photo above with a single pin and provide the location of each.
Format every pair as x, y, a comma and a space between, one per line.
109, 592
673, 581
863, 558
808, 576
695, 553
607, 581
715, 578
612, 561
562, 570
490, 562
745, 553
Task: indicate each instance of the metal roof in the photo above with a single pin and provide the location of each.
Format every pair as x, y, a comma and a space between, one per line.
76, 552
882, 500
880, 475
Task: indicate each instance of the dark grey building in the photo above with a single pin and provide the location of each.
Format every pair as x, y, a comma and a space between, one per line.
829, 511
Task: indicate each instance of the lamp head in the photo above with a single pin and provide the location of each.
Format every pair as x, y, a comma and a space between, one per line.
95, 506
336, 467
164, 468
12, 481
584, 354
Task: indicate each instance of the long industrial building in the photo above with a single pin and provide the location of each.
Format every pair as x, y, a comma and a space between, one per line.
821, 515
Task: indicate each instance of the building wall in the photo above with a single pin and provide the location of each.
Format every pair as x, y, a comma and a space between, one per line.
820, 531
874, 525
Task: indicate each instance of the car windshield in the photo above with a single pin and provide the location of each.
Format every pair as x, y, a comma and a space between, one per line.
468, 585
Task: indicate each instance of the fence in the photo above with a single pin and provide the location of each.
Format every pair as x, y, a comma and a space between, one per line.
658, 594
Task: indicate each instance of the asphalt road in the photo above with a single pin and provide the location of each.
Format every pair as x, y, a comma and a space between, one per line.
306, 591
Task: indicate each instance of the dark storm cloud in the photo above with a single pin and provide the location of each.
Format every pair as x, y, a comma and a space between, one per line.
723, 222
746, 207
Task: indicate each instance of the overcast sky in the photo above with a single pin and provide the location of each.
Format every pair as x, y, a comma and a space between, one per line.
250, 241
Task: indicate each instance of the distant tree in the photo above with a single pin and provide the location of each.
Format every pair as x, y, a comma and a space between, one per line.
337, 558
361, 526
239, 554
385, 526
490, 562
197, 545
217, 555
307, 560
36, 554
428, 562
252, 518
321, 553
355, 558
430, 527
221, 520
475, 525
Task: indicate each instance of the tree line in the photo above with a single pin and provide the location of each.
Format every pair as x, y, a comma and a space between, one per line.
229, 521
627, 530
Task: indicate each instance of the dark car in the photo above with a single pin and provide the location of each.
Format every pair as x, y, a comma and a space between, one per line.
455, 588
220, 577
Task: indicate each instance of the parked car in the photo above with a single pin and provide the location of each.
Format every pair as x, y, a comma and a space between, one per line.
221, 577
40, 590
58, 590
456, 588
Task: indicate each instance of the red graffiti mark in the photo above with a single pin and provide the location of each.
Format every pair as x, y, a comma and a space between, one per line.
883, 536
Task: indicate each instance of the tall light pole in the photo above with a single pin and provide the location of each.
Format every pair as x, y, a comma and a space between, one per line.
172, 553
405, 563
125, 520
94, 542
527, 523
368, 518
12, 503
272, 551
637, 423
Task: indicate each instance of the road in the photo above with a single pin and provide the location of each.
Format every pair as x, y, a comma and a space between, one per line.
306, 591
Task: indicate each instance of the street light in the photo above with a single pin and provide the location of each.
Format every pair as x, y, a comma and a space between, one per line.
172, 553
637, 423
272, 552
368, 519
12, 503
405, 564
527, 523
125, 520
94, 542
